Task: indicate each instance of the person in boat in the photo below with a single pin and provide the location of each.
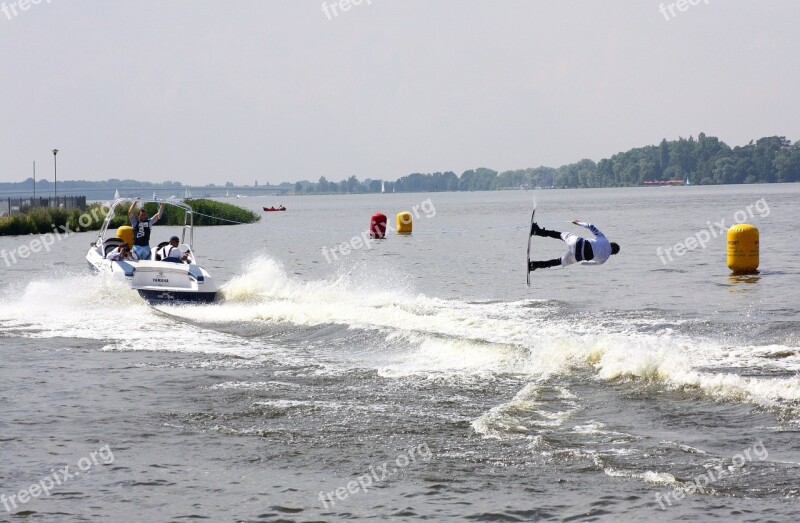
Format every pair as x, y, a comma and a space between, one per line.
123, 252
593, 251
141, 229
172, 251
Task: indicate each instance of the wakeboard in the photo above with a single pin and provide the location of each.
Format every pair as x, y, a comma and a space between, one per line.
528, 250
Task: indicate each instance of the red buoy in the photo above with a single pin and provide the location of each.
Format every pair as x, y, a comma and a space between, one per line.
377, 226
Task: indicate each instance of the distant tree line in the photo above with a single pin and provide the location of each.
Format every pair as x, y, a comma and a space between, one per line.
704, 161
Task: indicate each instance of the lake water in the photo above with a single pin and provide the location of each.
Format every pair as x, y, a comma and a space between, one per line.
417, 377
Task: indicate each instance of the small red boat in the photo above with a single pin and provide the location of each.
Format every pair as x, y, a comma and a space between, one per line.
274, 209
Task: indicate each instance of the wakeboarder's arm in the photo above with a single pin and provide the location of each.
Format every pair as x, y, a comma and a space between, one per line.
591, 227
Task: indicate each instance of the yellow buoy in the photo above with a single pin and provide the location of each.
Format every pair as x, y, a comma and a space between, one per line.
743, 249
125, 233
404, 223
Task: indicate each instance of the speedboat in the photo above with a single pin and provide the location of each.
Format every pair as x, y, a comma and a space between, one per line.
157, 281
274, 209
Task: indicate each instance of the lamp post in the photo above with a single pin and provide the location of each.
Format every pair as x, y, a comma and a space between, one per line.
55, 176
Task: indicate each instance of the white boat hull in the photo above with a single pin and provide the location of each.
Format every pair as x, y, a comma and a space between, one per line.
159, 281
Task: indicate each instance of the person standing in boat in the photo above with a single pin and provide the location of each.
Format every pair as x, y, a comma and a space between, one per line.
141, 229
591, 251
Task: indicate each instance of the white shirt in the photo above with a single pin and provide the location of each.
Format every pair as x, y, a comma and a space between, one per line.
168, 251
601, 247
115, 255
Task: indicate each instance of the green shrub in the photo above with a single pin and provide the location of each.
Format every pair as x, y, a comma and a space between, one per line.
44, 220
228, 214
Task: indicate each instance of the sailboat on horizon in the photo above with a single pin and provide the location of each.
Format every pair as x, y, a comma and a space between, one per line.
383, 187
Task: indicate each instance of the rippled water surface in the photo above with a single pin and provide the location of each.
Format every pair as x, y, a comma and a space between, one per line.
417, 377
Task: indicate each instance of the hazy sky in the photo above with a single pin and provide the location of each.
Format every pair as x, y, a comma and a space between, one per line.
276, 90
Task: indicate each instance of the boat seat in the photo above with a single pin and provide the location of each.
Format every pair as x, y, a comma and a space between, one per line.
158, 249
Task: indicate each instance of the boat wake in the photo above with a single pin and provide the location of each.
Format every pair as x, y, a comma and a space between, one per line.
365, 320
403, 333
